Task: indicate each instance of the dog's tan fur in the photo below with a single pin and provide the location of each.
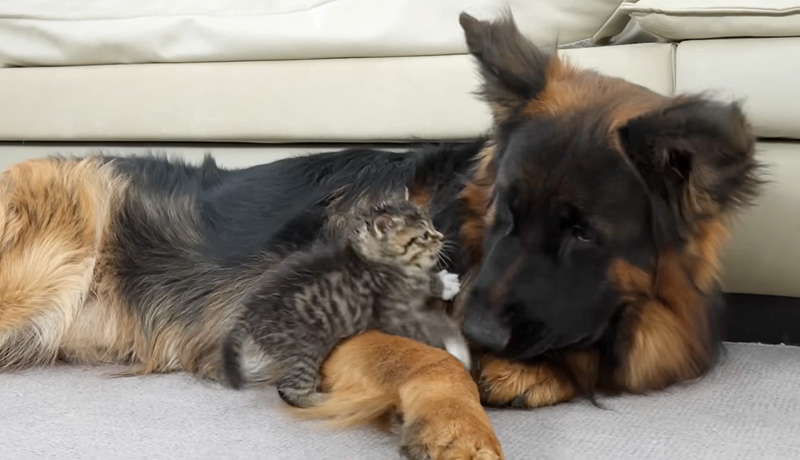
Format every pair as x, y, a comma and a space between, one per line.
54, 220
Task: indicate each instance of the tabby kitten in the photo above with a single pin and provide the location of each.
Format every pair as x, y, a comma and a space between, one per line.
375, 272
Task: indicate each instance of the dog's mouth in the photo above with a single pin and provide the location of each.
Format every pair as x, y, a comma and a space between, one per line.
553, 342
523, 340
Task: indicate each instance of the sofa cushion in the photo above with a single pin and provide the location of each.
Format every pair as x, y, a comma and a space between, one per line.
84, 32
687, 19
324, 100
762, 73
764, 254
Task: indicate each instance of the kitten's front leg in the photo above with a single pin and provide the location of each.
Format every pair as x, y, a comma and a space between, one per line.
431, 327
445, 285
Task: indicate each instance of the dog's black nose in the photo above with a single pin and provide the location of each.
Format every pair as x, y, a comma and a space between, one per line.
484, 328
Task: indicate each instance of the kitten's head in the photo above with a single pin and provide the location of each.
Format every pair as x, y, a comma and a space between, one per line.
398, 232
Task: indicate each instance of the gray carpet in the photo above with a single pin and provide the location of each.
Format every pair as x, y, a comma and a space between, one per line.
749, 408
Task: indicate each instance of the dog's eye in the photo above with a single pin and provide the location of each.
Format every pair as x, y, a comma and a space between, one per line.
509, 228
584, 234
505, 218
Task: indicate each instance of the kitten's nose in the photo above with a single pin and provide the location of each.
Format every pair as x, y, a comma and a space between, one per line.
437, 235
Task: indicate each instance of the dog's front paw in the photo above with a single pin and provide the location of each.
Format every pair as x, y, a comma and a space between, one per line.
440, 438
450, 284
522, 385
442, 415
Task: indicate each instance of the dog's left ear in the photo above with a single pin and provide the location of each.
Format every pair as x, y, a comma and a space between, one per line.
514, 70
697, 154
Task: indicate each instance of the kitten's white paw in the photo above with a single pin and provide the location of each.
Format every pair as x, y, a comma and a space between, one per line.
457, 347
451, 284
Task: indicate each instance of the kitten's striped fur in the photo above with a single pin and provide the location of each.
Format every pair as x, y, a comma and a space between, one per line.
374, 272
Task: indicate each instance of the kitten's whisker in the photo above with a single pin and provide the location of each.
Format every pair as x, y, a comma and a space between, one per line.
448, 245
443, 259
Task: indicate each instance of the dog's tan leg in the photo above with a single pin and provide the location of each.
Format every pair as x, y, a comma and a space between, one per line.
374, 374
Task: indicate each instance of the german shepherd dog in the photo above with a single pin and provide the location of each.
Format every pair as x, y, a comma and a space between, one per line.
587, 230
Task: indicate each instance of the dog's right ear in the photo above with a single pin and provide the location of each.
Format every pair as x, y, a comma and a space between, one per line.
697, 156
514, 70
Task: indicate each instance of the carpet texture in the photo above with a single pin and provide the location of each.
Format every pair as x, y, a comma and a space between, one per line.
748, 408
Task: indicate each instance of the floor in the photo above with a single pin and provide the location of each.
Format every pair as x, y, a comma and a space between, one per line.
748, 408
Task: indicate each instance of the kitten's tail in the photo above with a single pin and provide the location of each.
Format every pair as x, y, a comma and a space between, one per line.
231, 358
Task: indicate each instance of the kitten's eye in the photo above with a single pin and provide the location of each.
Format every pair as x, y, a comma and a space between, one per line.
426, 236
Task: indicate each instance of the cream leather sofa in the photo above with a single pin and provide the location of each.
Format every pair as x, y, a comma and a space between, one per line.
267, 80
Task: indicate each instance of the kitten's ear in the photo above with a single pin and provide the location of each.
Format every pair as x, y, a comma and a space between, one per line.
398, 194
382, 224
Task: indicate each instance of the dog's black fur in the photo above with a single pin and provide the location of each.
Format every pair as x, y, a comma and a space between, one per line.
231, 218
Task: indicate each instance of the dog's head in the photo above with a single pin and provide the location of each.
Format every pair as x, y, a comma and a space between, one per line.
587, 178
